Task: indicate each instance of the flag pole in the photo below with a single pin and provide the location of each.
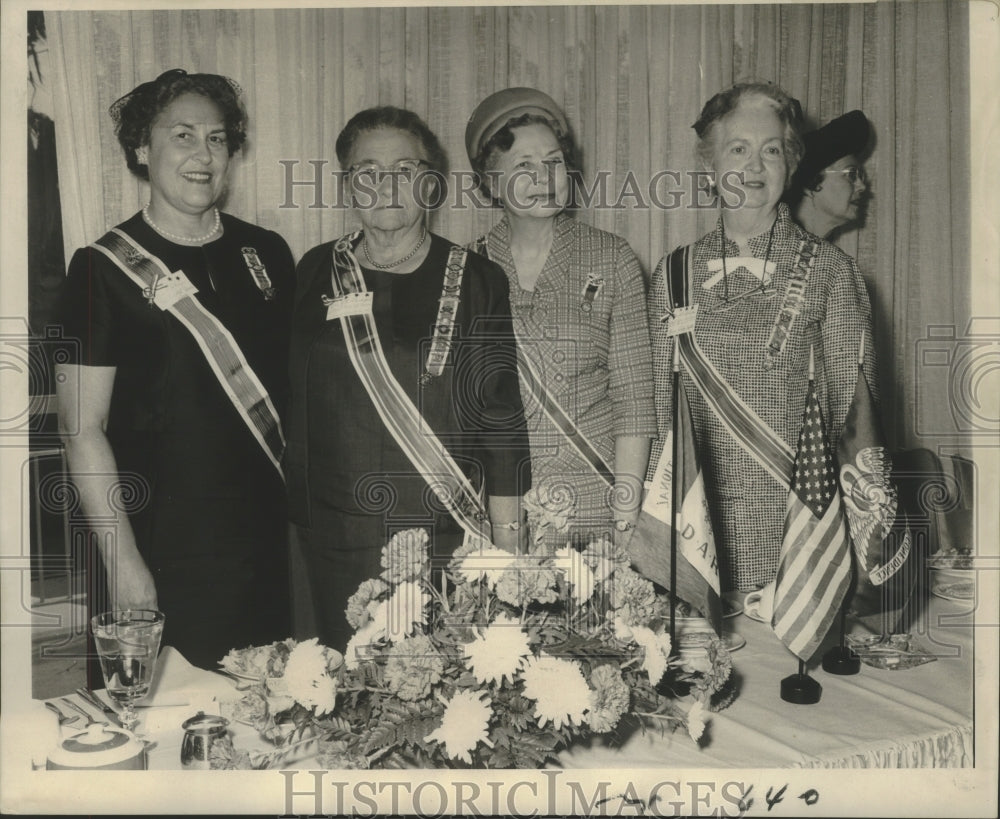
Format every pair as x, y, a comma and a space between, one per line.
675, 495
841, 659
800, 688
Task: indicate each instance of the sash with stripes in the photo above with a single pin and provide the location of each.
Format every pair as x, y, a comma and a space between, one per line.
352, 306
749, 429
535, 387
174, 293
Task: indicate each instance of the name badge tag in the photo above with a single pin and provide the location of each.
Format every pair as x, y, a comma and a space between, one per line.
682, 321
171, 289
353, 304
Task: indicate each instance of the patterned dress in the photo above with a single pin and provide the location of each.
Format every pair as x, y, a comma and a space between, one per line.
747, 502
592, 354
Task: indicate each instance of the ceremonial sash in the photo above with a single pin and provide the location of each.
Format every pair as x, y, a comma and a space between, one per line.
352, 306
174, 293
747, 428
535, 387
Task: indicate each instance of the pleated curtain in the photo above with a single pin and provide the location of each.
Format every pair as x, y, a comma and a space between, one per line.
632, 80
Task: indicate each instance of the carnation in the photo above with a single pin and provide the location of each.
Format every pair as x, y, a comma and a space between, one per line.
358, 646
488, 564
404, 557
605, 558
403, 612
251, 708
359, 609
632, 597
413, 665
549, 506
609, 699
522, 583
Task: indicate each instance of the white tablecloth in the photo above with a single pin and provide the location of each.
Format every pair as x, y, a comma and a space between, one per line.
916, 718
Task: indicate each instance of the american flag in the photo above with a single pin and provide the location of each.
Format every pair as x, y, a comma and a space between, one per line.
815, 564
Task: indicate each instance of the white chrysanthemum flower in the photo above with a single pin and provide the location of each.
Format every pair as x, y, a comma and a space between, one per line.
487, 563
696, 721
623, 631
464, 724
402, 612
654, 661
559, 689
578, 573
499, 651
356, 650
664, 640
307, 677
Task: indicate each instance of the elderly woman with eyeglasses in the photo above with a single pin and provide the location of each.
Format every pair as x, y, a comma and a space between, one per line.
751, 305
405, 403
829, 191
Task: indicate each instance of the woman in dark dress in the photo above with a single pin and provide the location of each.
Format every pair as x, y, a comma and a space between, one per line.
170, 412
394, 322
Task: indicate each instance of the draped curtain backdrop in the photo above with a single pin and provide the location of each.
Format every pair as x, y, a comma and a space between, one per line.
632, 80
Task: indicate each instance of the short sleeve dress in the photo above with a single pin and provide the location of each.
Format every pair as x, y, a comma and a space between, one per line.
350, 484
206, 503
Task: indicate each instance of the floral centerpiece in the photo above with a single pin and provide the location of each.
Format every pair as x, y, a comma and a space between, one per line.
495, 660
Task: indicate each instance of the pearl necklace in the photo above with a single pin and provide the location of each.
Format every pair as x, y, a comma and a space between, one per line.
174, 236
398, 262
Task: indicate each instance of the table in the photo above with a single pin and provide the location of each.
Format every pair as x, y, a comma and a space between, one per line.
916, 718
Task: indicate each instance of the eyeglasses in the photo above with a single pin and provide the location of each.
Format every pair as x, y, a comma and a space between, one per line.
854, 174
371, 173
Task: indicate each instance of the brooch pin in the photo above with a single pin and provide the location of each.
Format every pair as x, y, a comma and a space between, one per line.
590, 290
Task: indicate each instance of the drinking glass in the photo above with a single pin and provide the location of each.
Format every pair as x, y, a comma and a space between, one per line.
128, 641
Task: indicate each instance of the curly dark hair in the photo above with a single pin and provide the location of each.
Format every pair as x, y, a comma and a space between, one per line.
135, 113
503, 139
787, 108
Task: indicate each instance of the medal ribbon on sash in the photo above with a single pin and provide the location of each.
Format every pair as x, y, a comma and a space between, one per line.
259, 273
401, 418
174, 293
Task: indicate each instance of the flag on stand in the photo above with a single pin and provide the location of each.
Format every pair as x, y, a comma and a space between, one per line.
697, 576
814, 568
883, 543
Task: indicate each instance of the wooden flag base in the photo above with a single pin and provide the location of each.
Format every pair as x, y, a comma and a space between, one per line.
841, 660
801, 689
